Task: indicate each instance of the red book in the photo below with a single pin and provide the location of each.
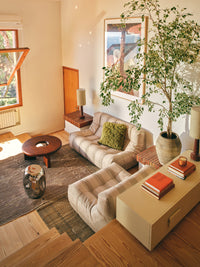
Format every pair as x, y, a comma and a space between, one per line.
156, 195
182, 169
180, 174
159, 181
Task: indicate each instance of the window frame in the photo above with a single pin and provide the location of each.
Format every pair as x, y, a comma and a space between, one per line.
16, 69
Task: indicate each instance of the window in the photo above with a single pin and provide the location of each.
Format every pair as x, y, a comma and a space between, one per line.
11, 58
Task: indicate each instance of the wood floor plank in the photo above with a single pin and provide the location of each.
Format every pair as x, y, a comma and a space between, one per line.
115, 243
47, 253
19, 232
7, 233
189, 232
82, 257
185, 254
65, 254
23, 137
6, 137
63, 136
36, 221
25, 251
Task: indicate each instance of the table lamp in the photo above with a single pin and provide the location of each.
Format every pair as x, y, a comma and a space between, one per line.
195, 131
81, 101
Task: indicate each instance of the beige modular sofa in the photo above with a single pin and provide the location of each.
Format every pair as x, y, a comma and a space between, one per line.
86, 143
94, 197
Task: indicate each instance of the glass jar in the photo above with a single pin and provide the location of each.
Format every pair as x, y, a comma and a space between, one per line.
34, 181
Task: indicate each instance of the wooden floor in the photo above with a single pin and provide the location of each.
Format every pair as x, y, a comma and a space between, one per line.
113, 245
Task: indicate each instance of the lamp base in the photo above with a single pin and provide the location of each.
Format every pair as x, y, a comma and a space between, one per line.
195, 157
81, 113
195, 154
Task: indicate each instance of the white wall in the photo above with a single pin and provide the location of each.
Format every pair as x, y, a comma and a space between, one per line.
41, 72
84, 51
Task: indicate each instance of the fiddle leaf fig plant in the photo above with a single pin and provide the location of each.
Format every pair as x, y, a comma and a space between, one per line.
173, 47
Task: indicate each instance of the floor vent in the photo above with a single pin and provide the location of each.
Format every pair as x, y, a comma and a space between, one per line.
9, 118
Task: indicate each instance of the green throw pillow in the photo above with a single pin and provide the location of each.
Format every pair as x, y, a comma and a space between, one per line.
113, 135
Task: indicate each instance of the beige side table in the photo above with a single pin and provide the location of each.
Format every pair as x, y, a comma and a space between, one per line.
150, 219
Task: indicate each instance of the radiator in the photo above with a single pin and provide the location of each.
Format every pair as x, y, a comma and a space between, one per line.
9, 118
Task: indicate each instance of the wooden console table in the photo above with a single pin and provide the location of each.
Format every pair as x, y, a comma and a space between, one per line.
74, 123
149, 157
150, 219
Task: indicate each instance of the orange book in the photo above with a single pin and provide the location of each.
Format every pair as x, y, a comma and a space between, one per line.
158, 196
182, 169
158, 181
180, 174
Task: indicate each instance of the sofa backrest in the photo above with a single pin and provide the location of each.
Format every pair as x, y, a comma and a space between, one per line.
134, 138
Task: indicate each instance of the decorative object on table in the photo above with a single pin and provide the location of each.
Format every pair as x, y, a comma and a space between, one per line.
168, 148
167, 89
181, 171
182, 161
158, 185
34, 181
81, 101
195, 131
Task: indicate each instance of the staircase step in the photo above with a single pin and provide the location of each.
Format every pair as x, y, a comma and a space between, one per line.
31, 247
46, 253
75, 255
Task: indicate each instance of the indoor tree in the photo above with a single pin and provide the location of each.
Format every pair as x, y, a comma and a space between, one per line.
173, 46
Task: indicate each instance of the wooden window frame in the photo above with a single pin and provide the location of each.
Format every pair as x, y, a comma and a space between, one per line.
15, 70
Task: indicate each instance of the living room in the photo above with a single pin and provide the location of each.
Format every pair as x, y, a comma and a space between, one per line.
71, 33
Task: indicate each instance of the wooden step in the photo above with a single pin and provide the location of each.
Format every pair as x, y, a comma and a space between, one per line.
46, 253
35, 245
18, 233
75, 255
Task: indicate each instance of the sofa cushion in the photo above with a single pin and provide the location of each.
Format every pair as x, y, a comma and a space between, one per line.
113, 135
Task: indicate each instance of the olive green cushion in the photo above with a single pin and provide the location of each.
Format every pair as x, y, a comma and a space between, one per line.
113, 135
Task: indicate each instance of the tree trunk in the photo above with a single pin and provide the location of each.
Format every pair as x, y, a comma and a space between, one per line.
169, 126
122, 50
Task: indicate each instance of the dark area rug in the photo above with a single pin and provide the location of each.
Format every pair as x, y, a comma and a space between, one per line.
61, 215
67, 166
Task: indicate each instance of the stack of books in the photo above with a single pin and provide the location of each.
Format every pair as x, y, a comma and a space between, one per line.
158, 185
181, 171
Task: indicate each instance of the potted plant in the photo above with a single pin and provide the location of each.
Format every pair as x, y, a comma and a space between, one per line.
174, 45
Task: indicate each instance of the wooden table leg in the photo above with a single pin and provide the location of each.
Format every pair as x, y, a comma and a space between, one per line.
47, 161
26, 157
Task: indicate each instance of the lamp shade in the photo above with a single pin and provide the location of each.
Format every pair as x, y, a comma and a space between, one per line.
81, 101
195, 122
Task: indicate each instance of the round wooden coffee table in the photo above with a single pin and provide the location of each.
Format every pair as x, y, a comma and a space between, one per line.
43, 145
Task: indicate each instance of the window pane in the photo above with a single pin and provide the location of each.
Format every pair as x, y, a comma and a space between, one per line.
8, 62
8, 94
11, 58
8, 39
